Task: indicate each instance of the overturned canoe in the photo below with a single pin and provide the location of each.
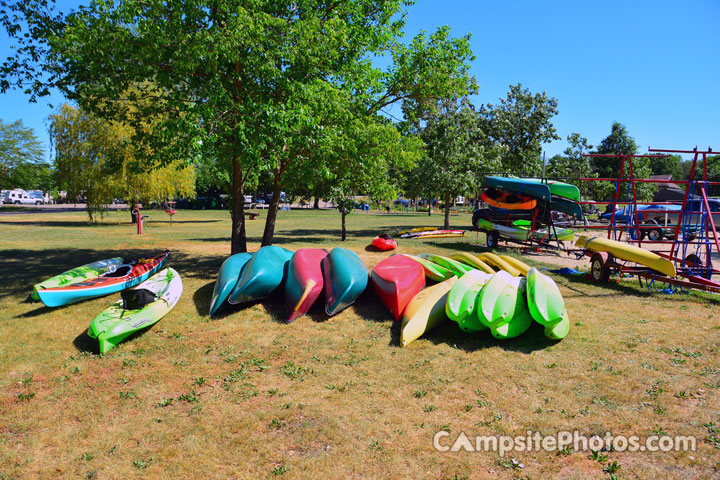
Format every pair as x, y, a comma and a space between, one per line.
425, 311
396, 280
262, 275
345, 277
304, 281
228, 277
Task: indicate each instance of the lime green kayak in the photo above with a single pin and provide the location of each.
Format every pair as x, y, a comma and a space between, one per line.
563, 234
546, 304
76, 275
560, 189
117, 322
460, 306
433, 271
459, 269
501, 306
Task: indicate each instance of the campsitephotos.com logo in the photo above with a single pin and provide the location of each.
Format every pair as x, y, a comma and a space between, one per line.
563, 440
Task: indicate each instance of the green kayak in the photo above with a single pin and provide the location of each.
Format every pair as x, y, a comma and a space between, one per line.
546, 304
461, 300
77, 275
433, 271
560, 189
502, 306
457, 268
138, 308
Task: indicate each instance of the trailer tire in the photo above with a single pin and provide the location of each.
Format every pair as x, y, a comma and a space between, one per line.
598, 268
491, 238
655, 234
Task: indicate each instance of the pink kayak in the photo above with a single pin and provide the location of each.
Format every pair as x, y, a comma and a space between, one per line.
304, 281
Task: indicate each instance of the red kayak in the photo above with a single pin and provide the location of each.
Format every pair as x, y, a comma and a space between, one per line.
384, 242
304, 281
396, 280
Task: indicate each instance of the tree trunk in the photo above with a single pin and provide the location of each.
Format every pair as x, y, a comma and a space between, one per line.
343, 231
316, 204
430, 206
272, 213
446, 224
238, 242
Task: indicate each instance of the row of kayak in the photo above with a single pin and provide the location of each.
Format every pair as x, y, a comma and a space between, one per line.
487, 291
147, 294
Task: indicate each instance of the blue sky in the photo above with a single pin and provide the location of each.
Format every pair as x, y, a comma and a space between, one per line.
650, 65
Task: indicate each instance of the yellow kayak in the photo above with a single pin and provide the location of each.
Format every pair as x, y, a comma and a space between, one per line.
425, 311
627, 252
473, 261
498, 262
522, 267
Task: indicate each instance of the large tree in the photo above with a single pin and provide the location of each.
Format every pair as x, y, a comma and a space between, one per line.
520, 124
233, 79
21, 156
96, 159
458, 151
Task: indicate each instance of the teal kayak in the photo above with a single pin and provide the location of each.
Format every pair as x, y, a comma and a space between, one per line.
345, 277
521, 186
560, 189
138, 308
228, 277
262, 275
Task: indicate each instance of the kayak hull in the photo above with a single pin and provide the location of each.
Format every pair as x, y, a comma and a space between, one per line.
384, 244
262, 275
629, 253
396, 280
433, 271
507, 200
228, 277
473, 261
461, 300
115, 323
496, 261
345, 277
304, 281
457, 268
425, 311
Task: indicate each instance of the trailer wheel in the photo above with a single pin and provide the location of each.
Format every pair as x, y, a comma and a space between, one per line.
655, 234
491, 238
598, 268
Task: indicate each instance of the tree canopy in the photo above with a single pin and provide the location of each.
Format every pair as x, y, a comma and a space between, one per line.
22, 163
96, 159
240, 80
520, 124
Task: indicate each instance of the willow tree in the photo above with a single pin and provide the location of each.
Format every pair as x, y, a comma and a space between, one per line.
98, 160
232, 78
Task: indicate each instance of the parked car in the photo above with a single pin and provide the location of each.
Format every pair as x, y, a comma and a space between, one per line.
21, 197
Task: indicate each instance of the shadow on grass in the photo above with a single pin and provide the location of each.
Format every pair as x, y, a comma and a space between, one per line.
449, 333
20, 269
85, 343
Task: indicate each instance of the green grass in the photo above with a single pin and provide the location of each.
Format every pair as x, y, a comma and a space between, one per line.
243, 395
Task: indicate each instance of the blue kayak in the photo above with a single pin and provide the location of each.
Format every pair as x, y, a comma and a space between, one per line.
116, 280
262, 275
345, 277
228, 277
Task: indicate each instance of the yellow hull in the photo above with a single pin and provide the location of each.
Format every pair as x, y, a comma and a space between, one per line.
629, 253
522, 267
425, 311
473, 261
498, 262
